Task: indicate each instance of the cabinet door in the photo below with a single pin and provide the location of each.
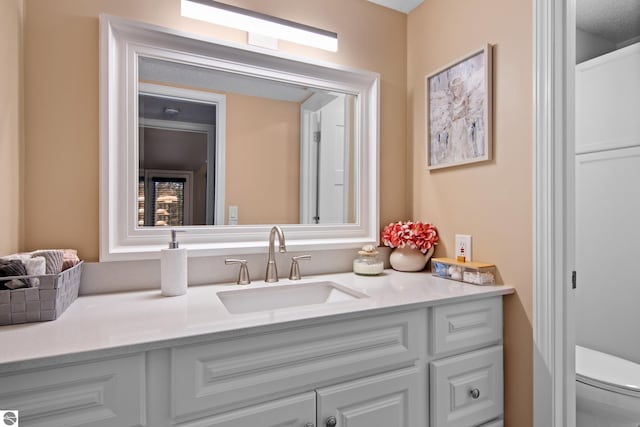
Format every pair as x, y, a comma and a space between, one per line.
607, 101
296, 411
105, 393
394, 399
466, 390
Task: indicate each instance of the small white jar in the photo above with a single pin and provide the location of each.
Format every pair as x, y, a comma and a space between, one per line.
368, 263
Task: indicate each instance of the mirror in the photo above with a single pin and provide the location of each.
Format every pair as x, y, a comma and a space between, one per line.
291, 143
225, 141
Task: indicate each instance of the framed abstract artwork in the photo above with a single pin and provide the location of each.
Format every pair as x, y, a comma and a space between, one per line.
458, 112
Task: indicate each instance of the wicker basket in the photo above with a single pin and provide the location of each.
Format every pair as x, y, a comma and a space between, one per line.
48, 301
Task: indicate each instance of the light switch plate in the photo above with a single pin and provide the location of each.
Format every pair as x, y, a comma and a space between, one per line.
233, 215
463, 246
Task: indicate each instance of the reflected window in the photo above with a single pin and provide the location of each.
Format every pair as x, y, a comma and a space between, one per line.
164, 200
168, 197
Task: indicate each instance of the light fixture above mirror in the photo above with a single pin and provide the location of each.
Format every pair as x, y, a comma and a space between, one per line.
127, 47
254, 22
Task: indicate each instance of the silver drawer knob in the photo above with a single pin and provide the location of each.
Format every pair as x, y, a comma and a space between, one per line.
475, 393
331, 422
309, 425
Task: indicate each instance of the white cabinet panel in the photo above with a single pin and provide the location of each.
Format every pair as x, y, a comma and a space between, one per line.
218, 375
297, 411
466, 390
394, 399
465, 326
106, 393
608, 101
607, 251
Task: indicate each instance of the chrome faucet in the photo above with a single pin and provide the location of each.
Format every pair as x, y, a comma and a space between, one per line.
272, 270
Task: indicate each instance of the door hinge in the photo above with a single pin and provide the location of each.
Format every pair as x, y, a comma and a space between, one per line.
574, 280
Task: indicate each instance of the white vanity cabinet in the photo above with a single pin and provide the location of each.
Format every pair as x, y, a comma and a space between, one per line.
410, 366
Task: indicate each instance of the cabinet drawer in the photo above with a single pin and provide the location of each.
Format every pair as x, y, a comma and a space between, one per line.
465, 326
236, 372
96, 394
466, 390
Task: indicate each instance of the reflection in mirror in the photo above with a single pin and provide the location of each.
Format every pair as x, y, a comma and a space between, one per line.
176, 141
286, 155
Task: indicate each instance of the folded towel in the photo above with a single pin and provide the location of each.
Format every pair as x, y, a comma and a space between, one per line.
12, 267
36, 266
70, 258
19, 256
54, 259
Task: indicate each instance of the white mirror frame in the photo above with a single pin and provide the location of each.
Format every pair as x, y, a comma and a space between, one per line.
121, 43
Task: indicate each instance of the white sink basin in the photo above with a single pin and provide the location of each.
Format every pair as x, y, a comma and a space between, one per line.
283, 296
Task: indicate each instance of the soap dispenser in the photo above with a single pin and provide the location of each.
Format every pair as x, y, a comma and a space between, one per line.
173, 269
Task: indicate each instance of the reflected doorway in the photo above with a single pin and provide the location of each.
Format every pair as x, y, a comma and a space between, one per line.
327, 154
180, 157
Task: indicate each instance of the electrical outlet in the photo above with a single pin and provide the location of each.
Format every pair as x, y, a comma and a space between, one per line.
463, 246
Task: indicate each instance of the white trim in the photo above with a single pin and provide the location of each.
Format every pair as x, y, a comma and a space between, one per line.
554, 248
216, 138
121, 42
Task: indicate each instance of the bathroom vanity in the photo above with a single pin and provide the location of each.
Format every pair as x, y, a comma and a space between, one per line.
409, 350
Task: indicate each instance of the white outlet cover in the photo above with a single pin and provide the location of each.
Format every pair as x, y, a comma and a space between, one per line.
233, 215
463, 246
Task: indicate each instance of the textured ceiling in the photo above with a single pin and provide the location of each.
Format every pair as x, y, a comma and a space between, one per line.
615, 20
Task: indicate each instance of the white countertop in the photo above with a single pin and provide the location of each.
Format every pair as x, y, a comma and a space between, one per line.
145, 319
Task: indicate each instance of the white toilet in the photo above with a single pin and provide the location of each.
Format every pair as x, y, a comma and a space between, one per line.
607, 390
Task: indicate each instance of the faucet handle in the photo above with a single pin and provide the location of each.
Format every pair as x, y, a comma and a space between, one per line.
294, 273
243, 274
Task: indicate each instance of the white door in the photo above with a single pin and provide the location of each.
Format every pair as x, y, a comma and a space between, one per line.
324, 160
331, 169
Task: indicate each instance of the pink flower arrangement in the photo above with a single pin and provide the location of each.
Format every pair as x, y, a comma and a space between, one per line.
416, 235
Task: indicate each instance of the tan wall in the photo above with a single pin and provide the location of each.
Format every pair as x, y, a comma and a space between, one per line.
491, 201
61, 98
11, 147
263, 160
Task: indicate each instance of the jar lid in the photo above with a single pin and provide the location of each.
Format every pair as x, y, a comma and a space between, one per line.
368, 250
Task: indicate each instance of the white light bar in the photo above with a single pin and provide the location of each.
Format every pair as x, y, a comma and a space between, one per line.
254, 22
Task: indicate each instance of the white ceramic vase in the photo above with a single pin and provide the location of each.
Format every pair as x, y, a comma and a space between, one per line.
408, 259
